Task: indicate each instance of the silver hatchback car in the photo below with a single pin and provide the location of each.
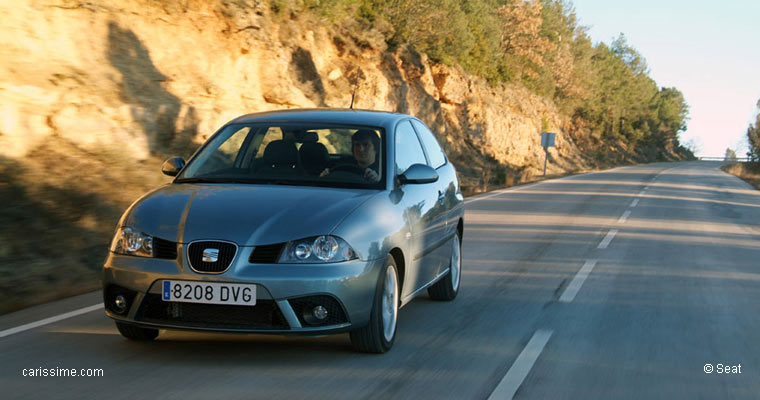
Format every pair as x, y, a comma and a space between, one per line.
292, 222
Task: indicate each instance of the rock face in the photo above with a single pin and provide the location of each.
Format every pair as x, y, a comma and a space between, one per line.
151, 79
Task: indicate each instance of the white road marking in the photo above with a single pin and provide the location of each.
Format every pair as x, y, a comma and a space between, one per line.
576, 176
607, 239
624, 217
521, 187
502, 191
519, 370
635, 202
483, 197
575, 285
641, 193
50, 320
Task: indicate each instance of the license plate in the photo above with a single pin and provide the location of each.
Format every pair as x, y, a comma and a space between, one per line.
209, 292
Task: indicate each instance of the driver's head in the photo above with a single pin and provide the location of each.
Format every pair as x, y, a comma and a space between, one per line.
288, 135
364, 144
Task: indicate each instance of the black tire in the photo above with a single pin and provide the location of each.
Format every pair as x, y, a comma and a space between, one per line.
133, 332
447, 288
371, 338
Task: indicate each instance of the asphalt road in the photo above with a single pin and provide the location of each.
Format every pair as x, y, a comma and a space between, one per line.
620, 284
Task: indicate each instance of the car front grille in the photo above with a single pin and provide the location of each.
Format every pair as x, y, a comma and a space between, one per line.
268, 254
264, 315
226, 253
303, 307
164, 249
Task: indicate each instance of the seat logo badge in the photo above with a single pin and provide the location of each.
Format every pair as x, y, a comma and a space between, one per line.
210, 255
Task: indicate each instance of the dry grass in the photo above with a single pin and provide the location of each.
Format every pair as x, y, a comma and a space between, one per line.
748, 172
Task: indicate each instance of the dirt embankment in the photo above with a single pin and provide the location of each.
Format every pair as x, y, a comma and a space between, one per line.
95, 94
748, 172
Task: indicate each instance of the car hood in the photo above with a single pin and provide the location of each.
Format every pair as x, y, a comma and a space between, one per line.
244, 214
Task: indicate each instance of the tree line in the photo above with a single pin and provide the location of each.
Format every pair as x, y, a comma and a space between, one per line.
753, 138
536, 43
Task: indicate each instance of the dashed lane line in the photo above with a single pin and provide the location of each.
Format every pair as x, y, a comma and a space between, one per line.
575, 285
607, 239
520, 369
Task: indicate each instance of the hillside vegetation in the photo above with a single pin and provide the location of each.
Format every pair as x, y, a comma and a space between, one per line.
749, 171
753, 137
604, 89
94, 95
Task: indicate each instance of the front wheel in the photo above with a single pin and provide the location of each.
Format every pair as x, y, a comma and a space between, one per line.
378, 336
446, 288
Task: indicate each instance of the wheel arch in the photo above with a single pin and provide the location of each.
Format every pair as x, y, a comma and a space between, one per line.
398, 257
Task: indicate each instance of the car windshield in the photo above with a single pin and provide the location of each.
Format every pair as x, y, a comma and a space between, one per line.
291, 154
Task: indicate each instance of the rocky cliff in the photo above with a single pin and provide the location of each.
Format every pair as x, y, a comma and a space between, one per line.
152, 78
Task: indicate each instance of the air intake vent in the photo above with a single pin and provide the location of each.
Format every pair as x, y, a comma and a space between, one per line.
264, 315
211, 256
164, 249
268, 254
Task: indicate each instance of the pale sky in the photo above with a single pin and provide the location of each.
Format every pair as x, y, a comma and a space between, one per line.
709, 50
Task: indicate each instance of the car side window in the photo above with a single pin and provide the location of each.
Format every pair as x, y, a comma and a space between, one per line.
434, 151
408, 148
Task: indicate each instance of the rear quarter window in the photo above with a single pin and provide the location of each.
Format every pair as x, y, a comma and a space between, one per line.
433, 149
408, 148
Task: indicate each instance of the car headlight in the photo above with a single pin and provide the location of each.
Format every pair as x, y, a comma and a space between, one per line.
318, 249
131, 242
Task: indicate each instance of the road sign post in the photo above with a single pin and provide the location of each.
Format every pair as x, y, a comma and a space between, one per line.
547, 140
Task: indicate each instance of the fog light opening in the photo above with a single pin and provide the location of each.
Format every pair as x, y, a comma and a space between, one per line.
120, 304
319, 312
314, 314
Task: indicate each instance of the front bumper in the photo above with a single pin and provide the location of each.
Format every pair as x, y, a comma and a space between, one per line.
284, 293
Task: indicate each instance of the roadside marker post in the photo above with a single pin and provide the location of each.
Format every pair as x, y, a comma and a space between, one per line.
547, 140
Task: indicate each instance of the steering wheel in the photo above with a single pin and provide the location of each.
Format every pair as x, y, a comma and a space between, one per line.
351, 168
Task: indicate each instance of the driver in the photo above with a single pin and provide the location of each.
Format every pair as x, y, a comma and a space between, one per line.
364, 146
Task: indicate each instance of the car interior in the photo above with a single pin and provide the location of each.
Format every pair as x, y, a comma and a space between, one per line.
319, 155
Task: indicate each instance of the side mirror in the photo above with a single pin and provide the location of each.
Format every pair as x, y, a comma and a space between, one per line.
418, 173
172, 166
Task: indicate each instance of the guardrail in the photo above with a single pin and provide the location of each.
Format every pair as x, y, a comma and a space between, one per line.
737, 159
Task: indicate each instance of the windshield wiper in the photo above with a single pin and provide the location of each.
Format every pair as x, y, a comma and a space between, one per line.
279, 182
295, 182
211, 180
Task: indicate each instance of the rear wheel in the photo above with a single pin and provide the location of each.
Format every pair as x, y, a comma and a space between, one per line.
378, 336
137, 333
446, 288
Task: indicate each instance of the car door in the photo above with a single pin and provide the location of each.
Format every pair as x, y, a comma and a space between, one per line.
419, 207
444, 188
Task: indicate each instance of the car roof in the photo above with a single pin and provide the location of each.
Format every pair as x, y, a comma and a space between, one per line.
324, 115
